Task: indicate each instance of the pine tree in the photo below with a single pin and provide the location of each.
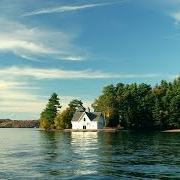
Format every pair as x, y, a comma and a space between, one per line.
49, 113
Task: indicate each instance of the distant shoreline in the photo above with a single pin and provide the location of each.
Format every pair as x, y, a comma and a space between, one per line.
172, 130
8, 123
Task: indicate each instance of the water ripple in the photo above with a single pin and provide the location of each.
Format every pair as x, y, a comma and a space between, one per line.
32, 154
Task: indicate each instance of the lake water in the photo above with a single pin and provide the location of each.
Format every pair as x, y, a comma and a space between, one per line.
33, 154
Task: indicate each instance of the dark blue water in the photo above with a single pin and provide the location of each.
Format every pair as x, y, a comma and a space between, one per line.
33, 154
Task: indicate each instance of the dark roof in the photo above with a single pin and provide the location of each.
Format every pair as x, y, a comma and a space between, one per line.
93, 116
77, 115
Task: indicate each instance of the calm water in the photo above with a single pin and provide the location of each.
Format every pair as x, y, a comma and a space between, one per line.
31, 154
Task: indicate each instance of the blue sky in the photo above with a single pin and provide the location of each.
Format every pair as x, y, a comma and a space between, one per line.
76, 47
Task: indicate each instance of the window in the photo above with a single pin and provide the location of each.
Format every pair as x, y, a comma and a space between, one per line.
84, 119
84, 127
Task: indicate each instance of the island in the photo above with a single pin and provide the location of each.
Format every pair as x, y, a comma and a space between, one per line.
138, 107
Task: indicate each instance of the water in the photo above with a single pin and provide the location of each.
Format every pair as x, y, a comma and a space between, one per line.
33, 154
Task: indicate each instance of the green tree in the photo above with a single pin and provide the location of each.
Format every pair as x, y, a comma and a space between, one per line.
76, 104
49, 113
141, 106
107, 104
174, 119
63, 119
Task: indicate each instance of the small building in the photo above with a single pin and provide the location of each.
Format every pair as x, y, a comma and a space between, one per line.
87, 120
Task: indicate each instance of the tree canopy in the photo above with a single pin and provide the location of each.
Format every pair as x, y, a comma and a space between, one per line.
133, 106
63, 119
141, 106
50, 112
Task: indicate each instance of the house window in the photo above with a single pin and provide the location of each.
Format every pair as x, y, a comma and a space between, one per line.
84, 119
84, 127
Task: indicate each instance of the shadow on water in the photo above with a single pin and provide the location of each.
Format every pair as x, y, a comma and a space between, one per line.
109, 155
49, 145
132, 154
54, 150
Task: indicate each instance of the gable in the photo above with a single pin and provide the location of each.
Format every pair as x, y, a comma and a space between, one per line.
84, 118
87, 116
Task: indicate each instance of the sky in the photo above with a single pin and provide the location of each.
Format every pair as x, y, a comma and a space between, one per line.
77, 47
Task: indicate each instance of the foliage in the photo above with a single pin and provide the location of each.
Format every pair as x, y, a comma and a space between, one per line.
141, 106
107, 104
76, 104
63, 119
49, 113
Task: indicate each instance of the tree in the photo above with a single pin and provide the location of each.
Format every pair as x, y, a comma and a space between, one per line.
63, 119
174, 120
107, 104
76, 104
49, 113
140, 106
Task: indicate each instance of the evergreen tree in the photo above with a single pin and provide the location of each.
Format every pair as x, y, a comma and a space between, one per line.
141, 106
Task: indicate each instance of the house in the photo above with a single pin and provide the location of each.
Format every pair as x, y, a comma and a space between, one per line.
87, 120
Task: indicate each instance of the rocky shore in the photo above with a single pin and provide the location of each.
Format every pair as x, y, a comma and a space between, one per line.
8, 123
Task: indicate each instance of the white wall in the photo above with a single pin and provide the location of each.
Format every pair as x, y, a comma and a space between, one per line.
101, 123
88, 123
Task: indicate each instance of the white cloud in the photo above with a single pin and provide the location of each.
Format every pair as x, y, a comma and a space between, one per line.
39, 73
31, 43
176, 16
18, 97
21, 107
9, 84
62, 9
12, 100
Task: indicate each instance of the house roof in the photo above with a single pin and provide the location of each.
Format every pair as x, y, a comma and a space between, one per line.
93, 116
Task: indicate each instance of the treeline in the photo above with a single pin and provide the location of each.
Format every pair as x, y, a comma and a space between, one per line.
52, 118
132, 106
141, 106
8, 123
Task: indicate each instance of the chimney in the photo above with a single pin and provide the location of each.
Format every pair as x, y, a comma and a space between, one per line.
88, 110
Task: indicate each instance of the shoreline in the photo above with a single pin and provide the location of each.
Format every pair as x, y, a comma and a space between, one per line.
101, 130
84, 130
92, 130
172, 130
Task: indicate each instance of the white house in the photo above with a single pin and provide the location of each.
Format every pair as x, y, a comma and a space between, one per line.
87, 120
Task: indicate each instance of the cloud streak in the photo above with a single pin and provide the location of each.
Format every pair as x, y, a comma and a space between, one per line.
39, 73
20, 101
37, 43
63, 9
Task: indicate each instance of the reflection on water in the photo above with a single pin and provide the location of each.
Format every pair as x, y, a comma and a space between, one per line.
84, 144
32, 154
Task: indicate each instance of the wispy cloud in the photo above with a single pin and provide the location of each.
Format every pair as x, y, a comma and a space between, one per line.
68, 8
39, 73
176, 16
9, 84
33, 43
20, 101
